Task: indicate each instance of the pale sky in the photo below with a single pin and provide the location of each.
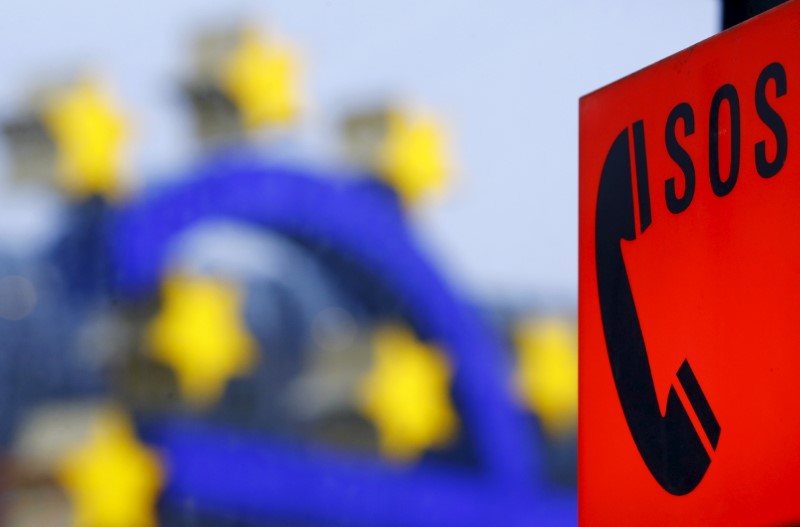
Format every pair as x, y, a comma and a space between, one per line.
506, 76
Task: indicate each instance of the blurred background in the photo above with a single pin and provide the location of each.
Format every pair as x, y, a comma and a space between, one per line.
299, 263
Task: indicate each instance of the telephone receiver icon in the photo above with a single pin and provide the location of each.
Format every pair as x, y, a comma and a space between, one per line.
669, 444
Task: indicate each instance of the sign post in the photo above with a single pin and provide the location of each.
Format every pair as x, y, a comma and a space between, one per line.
690, 286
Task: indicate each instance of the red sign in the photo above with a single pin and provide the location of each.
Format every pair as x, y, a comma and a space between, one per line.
690, 286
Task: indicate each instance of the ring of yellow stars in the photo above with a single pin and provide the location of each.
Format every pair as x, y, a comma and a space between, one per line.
261, 78
414, 158
112, 480
200, 333
547, 374
406, 395
89, 133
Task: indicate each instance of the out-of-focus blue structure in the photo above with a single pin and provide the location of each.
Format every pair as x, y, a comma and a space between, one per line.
198, 352
360, 219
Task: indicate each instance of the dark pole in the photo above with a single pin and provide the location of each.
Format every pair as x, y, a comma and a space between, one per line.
736, 11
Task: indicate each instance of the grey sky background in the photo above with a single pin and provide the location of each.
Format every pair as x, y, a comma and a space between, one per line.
506, 76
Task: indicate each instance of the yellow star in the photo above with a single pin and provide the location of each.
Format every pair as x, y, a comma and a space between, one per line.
414, 157
89, 134
113, 480
406, 395
261, 79
547, 377
200, 333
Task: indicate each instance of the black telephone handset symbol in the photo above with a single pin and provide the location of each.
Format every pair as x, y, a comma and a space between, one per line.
669, 444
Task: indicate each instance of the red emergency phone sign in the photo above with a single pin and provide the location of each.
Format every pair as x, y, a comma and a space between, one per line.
689, 309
